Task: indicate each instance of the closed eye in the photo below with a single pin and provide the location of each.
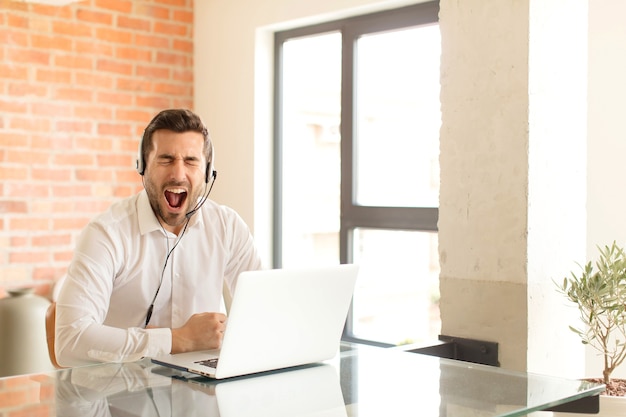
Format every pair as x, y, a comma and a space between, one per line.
190, 161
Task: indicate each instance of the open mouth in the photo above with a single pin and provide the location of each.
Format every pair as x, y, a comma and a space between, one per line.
175, 197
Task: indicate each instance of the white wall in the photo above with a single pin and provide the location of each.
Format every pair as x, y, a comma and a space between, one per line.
606, 198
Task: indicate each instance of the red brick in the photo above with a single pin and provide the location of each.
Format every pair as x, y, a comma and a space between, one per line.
185, 16
48, 273
131, 143
133, 23
154, 101
173, 59
93, 47
114, 35
183, 75
127, 175
118, 67
181, 103
74, 62
73, 191
153, 72
133, 84
18, 241
59, 76
172, 29
117, 129
133, 54
151, 10
28, 157
73, 160
51, 42
124, 6
13, 140
74, 126
29, 257
65, 256
56, 206
124, 191
183, 45
29, 223
14, 71
93, 16
101, 145
133, 115
104, 81
27, 56
173, 89
52, 240
51, 142
51, 10
74, 94
51, 174
17, 21
20, 89
115, 97
72, 223
13, 173
13, 206
32, 191
32, 124
115, 160
94, 112
40, 24
152, 40
94, 175
13, 38
91, 206
73, 29
12, 107
50, 109
176, 3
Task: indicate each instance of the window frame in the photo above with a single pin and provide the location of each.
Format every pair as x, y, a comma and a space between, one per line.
352, 215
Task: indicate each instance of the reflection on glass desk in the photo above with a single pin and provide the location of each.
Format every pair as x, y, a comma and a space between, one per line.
358, 382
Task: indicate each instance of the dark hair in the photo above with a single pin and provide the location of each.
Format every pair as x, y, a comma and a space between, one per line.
179, 121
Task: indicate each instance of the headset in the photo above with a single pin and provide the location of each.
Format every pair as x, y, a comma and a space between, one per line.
209, 174
140, 164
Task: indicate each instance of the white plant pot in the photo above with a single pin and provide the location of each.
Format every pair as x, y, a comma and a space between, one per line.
610, 406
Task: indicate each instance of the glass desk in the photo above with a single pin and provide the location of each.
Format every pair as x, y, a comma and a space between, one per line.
358, 382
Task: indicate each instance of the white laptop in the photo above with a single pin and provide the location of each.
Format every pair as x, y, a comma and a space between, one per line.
278, 319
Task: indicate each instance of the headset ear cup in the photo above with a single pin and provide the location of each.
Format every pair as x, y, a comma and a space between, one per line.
210, 169
139, 165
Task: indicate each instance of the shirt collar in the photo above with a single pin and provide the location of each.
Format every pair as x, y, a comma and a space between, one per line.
148, 221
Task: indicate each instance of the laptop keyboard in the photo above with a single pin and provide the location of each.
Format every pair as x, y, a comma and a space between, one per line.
211, 363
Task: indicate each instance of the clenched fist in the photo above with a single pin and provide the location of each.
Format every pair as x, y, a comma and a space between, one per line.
202, 331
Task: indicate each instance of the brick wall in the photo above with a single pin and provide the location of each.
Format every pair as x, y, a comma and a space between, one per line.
78, 83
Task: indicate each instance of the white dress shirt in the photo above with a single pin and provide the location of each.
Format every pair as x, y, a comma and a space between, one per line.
118, 266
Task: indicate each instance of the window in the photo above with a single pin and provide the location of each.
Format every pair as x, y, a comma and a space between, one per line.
357, 164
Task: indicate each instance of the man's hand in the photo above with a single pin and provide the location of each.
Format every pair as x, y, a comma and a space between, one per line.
202, 331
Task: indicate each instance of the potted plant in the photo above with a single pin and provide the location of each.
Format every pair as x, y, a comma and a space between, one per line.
599, 292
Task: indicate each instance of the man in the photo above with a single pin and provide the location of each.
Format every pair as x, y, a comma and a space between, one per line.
147, 275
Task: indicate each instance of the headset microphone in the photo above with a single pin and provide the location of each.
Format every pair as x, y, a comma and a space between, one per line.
204, 197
